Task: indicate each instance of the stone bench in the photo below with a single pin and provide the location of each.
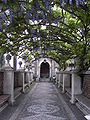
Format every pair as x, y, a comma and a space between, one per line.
83, 103
4, 101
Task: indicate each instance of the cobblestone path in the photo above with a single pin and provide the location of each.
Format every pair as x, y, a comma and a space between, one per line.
43, 104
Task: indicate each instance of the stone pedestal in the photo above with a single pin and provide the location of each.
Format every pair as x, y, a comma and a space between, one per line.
77, 84
67, 79
8, 83
28, 78
63, 90
31, 76
73, 89
21, 78
60, 79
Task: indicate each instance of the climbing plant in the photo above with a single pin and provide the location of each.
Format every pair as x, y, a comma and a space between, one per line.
58, 29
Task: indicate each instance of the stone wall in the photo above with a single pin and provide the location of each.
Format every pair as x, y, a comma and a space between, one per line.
86, 85
1, 82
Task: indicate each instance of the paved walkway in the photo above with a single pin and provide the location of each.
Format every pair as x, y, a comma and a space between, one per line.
43, 102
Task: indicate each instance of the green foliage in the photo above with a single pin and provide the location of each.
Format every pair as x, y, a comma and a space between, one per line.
66, 34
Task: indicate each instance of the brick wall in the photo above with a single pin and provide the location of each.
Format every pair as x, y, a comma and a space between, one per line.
86, 85
1, 82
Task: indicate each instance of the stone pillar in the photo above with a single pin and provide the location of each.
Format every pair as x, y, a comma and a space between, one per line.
21, 78
63, 91
8, 83
50, 72
27, 77
77, 84
59, 80
51, 68
31, 76
36, 69
73, 89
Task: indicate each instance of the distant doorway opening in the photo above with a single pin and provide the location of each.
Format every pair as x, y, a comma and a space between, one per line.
44, 70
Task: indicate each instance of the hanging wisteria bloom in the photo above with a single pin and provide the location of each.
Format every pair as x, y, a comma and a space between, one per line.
21, 9
47, 5
77, 3
33, 19
3, 16
28, 16
37, 5
70, 2
5, 1
63, 2
37, 19
6, 26
0, 25
43, 15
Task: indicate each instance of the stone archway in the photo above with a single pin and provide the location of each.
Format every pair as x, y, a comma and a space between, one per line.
44, 70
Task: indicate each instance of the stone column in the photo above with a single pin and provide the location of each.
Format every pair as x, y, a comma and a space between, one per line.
63, 91
35, 68
50, 72
59, 81
21, 78
28, 78
8, 83
51, 69
77, 84
73, 89
31, 76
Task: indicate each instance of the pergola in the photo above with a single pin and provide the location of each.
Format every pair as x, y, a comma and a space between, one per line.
58, 29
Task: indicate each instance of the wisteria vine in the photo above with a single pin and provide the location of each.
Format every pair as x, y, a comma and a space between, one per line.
35, 15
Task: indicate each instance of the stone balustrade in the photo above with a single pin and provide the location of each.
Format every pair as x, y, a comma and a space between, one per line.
15, 82
70, 82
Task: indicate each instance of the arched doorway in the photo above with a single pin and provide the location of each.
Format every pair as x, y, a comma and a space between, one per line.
44, 70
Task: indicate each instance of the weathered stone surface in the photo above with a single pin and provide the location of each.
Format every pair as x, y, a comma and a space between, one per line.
1, 82
44, 104
86, 85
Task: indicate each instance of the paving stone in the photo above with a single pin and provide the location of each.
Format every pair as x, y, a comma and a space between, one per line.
44, 104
